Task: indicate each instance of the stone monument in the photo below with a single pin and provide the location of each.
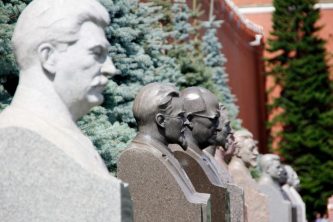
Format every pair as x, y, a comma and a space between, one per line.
290, 188
220, 154
224, 147
50, 170
245, 156
272, 176
160, 188
202, 110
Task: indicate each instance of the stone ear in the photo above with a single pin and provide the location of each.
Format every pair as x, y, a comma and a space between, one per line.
47, 56
160, 120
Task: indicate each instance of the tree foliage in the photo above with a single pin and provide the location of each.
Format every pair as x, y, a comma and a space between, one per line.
299, 68
152, 41
214, 58
9, 12
137, 46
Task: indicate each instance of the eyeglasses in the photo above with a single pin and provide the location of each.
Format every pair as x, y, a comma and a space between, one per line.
215, 119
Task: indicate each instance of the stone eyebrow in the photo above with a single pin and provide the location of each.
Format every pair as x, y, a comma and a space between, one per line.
104, 45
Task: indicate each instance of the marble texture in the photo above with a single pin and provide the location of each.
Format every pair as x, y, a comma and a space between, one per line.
237, 204
256, 202
39, 182
160, 188
198, 168
272, 176
295, 198
51, 170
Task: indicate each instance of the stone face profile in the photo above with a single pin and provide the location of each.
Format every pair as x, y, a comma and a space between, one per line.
202, 110
246, 153
51, 171
220, 154
273, 175
159, 186
223, 147
290, 188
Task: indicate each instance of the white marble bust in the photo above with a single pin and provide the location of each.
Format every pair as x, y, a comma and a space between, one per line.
273, 175
290, 189
62, 53
245, 156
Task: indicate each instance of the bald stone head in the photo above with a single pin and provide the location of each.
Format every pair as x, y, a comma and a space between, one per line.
158, 111
202, 109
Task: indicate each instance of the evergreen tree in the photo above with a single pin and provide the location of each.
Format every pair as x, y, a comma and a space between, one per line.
9, 12
214, 58
109, 138
299, 68
187, 49
5, 98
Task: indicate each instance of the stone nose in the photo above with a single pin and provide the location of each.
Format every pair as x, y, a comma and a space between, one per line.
186, 122
108, 69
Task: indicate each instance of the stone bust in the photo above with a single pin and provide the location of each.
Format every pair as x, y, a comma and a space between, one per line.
224, 136
246, 153
272, 171
273, 175
246, 149
292, 177
202, 109
157, 180
205, 124
63, 71
290, 188
62, 53
158, 111
224, 146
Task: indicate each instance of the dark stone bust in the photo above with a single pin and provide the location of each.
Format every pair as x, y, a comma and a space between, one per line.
160, 188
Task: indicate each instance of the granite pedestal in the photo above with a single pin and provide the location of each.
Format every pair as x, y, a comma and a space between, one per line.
39, 182
160, 188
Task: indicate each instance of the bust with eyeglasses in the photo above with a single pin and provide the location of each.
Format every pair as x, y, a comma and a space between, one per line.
157, 180
203, 112
223, 149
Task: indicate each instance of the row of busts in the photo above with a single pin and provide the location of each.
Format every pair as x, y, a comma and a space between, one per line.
185, 164
50, 171
208, 158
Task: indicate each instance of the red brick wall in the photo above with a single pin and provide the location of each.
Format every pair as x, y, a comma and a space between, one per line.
264, 19
245, 69
252, 2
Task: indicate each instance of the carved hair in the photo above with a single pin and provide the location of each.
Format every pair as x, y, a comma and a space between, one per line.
240, 136
266, 160
292, 176
53, 21
152, 99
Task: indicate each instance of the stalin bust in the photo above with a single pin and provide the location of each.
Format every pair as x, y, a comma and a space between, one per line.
50, 170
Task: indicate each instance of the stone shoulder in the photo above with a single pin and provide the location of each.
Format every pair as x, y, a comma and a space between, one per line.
41, 183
